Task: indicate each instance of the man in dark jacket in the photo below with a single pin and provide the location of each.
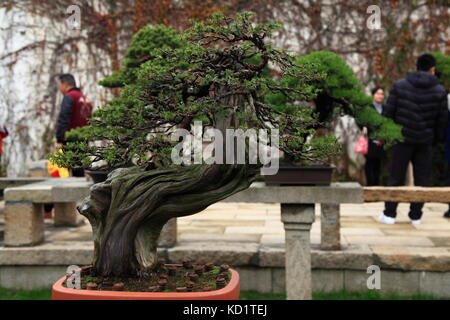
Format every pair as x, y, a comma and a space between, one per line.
419, 104
375, 153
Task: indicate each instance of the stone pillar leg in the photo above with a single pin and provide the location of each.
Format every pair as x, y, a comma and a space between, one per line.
168, 237
297, 219
24, 223
66, 215
330, 226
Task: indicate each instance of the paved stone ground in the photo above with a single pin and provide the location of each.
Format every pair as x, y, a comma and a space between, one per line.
260, 223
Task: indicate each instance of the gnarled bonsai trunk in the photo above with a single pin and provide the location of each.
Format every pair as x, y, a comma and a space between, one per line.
129, 209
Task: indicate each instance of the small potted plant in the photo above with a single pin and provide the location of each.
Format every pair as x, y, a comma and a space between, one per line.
210, 78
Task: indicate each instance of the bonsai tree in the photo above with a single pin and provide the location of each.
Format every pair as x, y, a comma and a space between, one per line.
339, 92
214, 75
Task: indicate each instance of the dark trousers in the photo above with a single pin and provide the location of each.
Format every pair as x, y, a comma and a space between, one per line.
421, 158
77, 172
372, 169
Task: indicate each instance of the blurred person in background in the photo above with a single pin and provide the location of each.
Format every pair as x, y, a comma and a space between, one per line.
419, 104
447, 152
375, 152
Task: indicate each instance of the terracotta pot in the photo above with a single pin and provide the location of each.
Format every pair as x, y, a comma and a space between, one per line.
230, 292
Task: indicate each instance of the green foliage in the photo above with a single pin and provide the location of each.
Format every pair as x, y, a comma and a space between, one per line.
37, 294
216, 70
91, 279
443, 68
339, 83
338, 91
215, 271
144, 46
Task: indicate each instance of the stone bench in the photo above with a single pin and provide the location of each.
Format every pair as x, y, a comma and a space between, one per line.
297, 215
24, 219
24, 224
407, 194
16, 182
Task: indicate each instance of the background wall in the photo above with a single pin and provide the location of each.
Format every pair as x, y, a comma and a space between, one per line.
37, 44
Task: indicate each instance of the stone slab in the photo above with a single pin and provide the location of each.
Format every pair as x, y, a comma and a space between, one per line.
356, 257
345, 192
235, 254
168, 235
50, 191
327, 280
412, 258
230, 237
66, 214
56, 253
435, 283
24, 223
16, 182
255, 279
407, 194
390, 240
402, 283
30, 277
330, 226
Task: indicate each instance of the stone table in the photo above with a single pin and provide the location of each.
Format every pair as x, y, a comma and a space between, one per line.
297, 215
24, 219
6, 182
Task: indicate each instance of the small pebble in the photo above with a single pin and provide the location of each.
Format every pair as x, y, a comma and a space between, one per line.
91, 286
163, 276
189, 285
199, 270
187, 264
172, 271
209, 266
224, 275
118, 286
153, 289
220, 283
224, 267
193, 277
162, 282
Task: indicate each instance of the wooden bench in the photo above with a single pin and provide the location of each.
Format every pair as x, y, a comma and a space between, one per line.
407, 194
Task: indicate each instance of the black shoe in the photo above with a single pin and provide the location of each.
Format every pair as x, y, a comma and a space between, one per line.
447, 214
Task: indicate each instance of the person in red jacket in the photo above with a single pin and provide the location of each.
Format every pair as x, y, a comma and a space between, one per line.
75, 111
3, 134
